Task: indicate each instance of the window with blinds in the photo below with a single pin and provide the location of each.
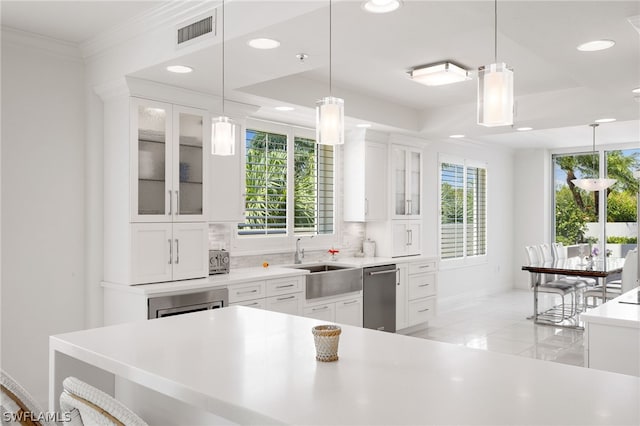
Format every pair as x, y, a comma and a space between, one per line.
271, 198
463, 223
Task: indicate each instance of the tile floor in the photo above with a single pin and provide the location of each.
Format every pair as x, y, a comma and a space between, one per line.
498, 323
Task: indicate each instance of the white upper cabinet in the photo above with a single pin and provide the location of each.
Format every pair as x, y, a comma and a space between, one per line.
365, 180
406, 182
169, 162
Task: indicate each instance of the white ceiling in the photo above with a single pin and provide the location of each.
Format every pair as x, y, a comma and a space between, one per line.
559, 90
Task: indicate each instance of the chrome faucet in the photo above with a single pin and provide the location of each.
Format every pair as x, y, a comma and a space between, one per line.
299, 252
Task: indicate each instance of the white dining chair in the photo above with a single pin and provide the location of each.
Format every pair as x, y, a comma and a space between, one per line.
550, 286
17, 406
559, 254
628, 281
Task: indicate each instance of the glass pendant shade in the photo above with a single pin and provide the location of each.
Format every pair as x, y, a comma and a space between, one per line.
330, 121
495, 95
223, 136
593, 184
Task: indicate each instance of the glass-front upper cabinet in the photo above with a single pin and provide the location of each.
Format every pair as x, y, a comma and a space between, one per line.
407, 182
168, 167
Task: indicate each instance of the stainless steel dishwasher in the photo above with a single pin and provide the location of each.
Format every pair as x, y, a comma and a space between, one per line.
379, 298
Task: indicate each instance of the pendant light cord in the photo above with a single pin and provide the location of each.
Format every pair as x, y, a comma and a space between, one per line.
495, 31
330, 44
223, 25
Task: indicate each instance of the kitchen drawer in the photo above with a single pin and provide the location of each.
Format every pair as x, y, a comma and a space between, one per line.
325, 312
257, 303
422, 267
288, 304
421, 310
285, 286
422, 285
246, 291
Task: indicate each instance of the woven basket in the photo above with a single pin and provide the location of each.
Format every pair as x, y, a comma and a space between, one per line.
326, 338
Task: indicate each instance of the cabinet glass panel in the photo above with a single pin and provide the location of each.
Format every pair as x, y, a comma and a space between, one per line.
400, 171
152, 152
190, 195
414, 205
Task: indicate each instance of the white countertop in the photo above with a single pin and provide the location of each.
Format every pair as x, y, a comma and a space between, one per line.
615, 313
240, 275
255, 366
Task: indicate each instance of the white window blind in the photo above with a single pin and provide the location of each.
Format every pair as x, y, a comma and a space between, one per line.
273, 204
463, 223
266, 184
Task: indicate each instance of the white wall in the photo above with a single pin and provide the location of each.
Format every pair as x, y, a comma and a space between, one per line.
42, 203
532, 212
496, 274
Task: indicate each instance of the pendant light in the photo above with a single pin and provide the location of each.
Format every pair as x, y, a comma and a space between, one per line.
223, 129
330, 110
495, 88
593, 184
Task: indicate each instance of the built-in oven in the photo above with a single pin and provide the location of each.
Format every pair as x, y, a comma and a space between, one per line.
176, 304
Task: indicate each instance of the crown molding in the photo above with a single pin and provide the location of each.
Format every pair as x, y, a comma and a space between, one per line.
168, 15
52, 46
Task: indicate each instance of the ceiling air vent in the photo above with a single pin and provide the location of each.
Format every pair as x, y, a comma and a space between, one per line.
195, 30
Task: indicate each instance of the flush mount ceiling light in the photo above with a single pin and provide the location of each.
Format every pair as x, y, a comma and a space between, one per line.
439, 74
381, 6
223, 129
330, 110
284, 108
636, 90
593, 184
179, 69
495, 88
524, 129
456, 136
263, 43
605, 120
595, 45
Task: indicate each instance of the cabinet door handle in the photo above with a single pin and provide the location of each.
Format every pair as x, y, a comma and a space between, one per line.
424, 310
350, 303
170, 251
409, 206
170, 203
366, 206
322, 308
251, 304
285, 298
177, 252
410, 237
284, 286
424, 266
423, 285
247, 292
177, 202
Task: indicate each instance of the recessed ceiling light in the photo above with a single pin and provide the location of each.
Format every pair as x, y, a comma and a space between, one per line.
605, 120
456, 136
284, 108
524, 129
381, 6
439, 74
364, 125
263, 43
592, 46
636, 90
180, 69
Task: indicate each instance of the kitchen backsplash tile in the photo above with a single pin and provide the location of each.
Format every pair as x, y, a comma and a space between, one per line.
353, 233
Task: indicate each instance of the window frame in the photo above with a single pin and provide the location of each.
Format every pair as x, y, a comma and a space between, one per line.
465, 260
258, 244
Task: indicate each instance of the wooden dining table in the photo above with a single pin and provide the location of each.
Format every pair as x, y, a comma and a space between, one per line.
598, 268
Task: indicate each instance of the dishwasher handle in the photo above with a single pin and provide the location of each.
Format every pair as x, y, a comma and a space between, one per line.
388, 271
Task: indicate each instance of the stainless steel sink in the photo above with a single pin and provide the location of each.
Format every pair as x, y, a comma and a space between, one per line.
326, 279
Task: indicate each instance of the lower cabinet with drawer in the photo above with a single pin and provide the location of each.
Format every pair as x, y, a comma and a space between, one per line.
420, 289
342, 310
279, 295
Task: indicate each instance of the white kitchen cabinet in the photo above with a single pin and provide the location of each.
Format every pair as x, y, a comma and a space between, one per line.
257, 303
365, 179
169, 162
406, 182
324, 312
165, 252
287, 304
421, 291
349, 312
279, 295
402, 282
406, 238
